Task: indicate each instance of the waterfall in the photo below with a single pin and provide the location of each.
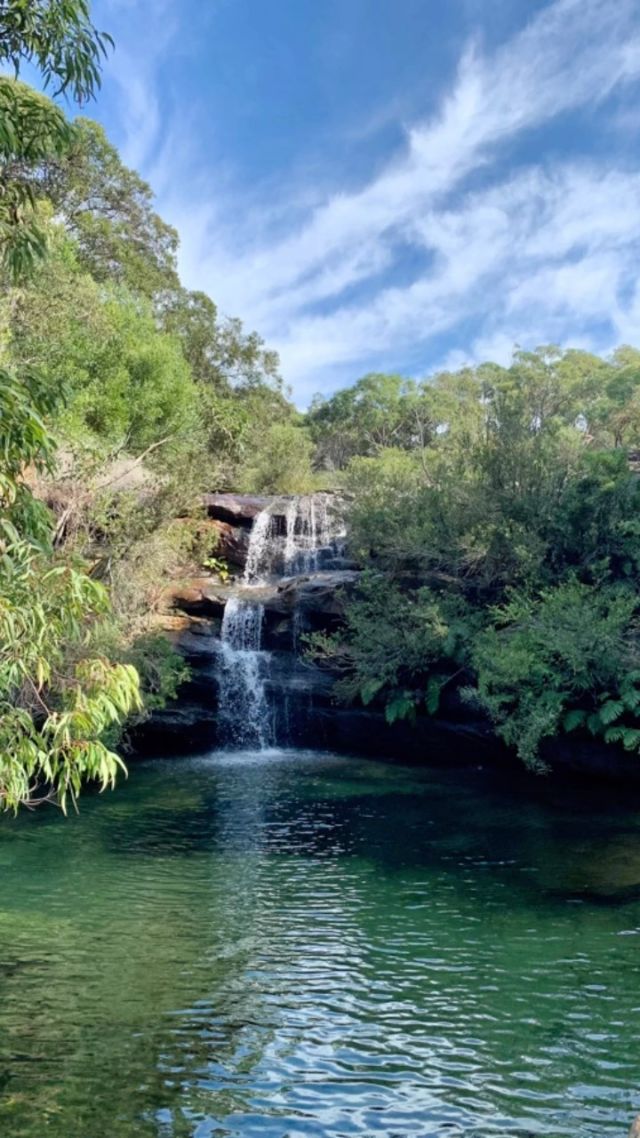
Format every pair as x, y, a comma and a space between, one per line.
243, 708
294, 535
310, 530
258, 553
290, 518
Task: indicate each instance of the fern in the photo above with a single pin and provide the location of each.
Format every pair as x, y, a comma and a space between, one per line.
435, 685
594, 723
574, 719
402, 706
369, 690
628, 736
630, 695
631, 699
631, 738
610, 711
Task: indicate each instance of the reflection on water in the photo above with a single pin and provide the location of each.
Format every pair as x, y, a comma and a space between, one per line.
289, 944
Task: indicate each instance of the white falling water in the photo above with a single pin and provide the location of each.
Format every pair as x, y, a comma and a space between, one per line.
310, 529
258, 553
290, 548
242, 701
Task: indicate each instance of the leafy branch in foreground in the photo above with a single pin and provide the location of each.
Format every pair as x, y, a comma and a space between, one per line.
54, 710
56, 699
58, 37
32, 130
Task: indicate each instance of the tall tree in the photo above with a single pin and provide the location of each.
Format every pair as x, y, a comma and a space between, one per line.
57, 37
108, 209
57, 700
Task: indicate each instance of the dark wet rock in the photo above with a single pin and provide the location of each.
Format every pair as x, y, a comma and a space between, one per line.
229, 542
590, 758
315, 601
196, 640
183, 728
279, 634
320, 592
339, 564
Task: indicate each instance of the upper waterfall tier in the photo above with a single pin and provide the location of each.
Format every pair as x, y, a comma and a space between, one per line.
270, 538
293, 535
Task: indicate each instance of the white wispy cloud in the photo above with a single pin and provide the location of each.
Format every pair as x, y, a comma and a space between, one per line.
544, 250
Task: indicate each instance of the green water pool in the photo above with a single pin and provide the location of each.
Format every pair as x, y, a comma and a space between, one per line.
295, 944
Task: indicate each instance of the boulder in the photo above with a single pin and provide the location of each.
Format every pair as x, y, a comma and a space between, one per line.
202, 597
237, 509
320, 593
227, 541
308, 603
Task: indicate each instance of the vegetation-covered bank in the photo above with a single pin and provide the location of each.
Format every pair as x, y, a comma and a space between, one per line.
495, 511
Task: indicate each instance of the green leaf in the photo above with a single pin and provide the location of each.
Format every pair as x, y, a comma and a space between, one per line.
610, 711
434, 689
370, 689
574, 719
400, 707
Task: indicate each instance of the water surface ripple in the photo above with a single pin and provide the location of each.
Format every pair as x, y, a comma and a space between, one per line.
287, 944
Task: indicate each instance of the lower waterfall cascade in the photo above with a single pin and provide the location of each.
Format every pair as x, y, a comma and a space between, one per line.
290, 538
242, 704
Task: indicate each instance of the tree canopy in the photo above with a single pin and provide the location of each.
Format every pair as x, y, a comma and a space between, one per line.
495, 511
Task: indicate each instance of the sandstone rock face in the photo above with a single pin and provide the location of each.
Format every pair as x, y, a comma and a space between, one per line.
298, 605
229, 542
199, 597
237, 509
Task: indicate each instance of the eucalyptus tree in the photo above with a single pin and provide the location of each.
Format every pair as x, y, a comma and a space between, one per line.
58, 699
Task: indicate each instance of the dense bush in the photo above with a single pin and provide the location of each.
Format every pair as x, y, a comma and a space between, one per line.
502, 540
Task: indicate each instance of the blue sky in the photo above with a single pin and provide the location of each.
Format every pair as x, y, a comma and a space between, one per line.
396, 185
